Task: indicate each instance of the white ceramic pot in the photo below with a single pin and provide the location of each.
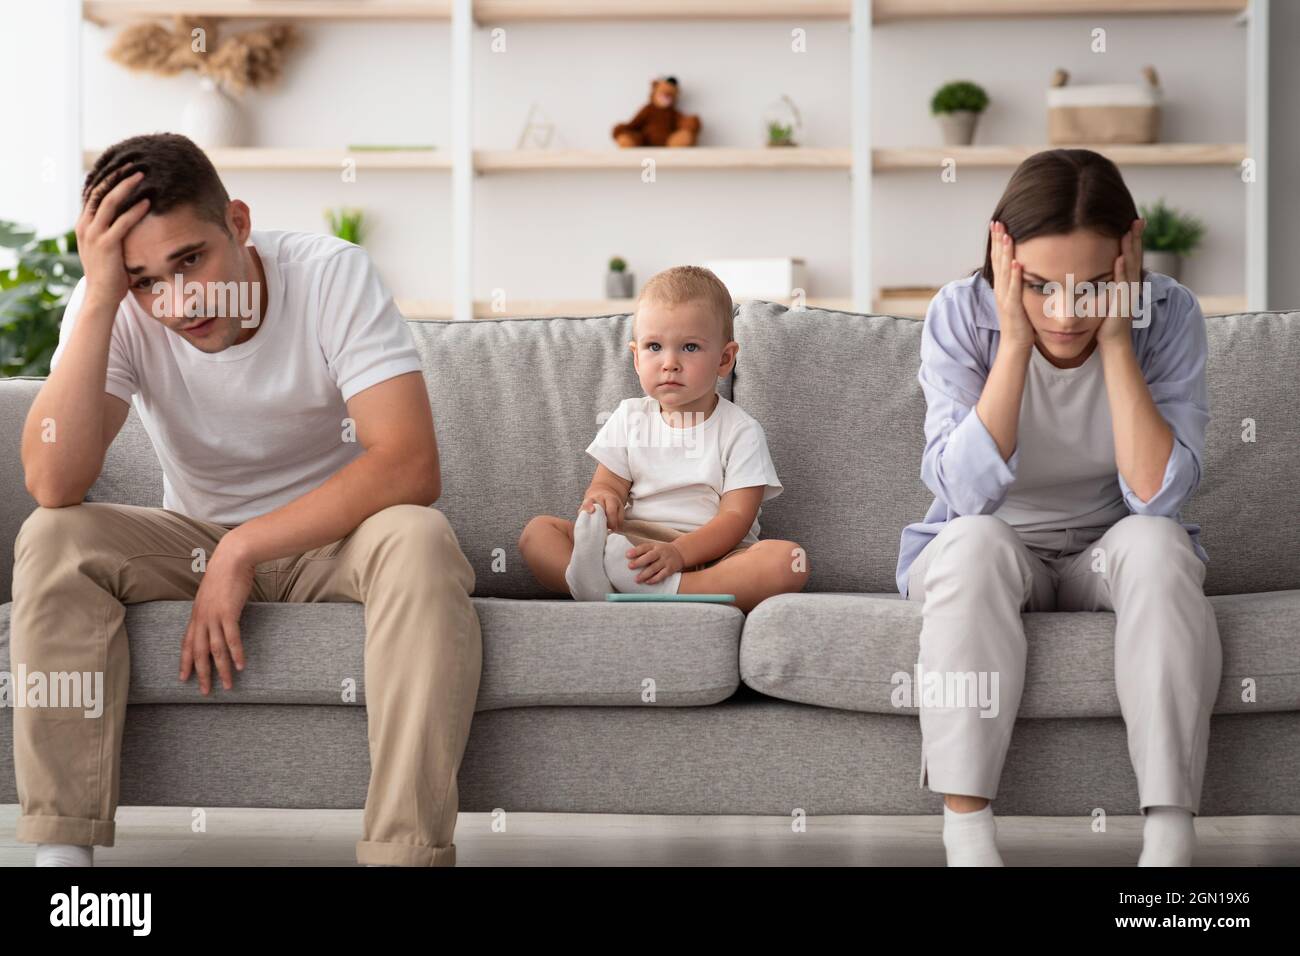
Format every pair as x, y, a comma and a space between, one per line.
212, 117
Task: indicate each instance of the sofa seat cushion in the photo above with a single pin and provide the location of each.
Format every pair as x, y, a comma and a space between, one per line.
844, 650
535, 653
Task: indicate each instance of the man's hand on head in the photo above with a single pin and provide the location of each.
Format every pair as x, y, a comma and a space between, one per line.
212, 636
100, 231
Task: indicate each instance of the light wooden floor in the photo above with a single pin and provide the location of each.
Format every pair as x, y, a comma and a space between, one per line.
162, 836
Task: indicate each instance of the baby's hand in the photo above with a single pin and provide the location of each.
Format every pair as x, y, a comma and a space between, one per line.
609, 501
659, 558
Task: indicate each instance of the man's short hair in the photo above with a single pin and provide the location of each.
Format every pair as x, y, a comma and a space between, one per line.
176, 173
690, 284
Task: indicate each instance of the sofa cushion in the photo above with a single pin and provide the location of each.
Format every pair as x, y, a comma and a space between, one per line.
838, 397
843, 650
535, 653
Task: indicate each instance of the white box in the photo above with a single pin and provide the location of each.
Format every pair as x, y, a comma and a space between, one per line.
759, 278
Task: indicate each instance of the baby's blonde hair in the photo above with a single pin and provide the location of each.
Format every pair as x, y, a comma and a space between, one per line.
690, 284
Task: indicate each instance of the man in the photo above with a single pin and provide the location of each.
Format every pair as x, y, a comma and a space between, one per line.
284, 395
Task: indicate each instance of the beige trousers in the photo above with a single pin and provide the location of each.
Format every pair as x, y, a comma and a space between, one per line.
977, 575
74, 570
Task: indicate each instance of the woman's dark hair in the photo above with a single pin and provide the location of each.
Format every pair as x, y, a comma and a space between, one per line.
1058, 191
176, 173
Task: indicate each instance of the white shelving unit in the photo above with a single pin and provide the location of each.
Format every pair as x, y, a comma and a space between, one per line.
859, 158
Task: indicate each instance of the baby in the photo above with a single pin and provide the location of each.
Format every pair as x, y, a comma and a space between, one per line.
673, 507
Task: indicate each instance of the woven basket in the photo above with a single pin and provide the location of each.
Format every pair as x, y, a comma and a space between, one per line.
1104, 113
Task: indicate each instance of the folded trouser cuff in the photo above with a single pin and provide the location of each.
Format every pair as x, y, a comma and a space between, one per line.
79, 831
405, 854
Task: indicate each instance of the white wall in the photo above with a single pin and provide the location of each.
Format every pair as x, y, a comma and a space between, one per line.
548, 235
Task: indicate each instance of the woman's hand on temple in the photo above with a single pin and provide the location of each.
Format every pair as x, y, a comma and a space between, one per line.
1122, 301
1008, 286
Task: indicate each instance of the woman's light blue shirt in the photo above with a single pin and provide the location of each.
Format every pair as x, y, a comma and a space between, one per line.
962, 464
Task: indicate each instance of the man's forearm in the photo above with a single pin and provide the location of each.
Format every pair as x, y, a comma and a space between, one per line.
378, 479
63, 435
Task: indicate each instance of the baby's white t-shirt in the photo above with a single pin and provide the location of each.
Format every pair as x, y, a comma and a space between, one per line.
679, 475
246, 430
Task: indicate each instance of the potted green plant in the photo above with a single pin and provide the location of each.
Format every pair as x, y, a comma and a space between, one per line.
1169, 235
33, 294
618, 281
958, 106
345, 223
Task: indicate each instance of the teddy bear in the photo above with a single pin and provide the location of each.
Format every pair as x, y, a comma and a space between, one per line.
659, 123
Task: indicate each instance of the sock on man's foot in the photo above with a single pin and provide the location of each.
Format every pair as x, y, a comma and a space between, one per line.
64, 854
1168, 837
970, 839
624, 579
585, 574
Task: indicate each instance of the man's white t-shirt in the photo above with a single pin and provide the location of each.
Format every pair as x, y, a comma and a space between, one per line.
1065, 475
246, 430
679, 475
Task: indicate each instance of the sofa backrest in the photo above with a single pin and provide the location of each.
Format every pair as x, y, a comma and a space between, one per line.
838, 397
517, 401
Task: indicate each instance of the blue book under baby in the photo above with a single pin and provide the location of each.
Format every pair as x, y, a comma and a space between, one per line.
709, 598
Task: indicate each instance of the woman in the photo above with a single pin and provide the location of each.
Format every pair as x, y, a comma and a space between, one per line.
1065, 425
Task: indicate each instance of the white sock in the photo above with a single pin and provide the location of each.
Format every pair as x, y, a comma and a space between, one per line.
624, 579
585, 574
1168, 837
64, 854
971, 838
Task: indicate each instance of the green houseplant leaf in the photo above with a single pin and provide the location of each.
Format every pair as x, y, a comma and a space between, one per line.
34, 293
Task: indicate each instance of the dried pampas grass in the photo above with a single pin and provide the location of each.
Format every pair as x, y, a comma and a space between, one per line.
250, 60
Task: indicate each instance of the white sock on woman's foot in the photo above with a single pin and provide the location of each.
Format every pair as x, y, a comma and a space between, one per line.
1168, 837
971, 838
64, 854
585, 574
624, 578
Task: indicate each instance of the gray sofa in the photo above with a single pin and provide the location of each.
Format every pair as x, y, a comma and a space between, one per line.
786, 708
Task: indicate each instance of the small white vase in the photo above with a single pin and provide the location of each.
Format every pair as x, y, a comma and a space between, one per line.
212, 118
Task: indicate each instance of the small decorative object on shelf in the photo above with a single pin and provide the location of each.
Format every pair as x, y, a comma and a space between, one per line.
252, 59
538, 131
659, 123
771, 280
1169, 235
784, 122
619, 283
958, 106
345, 223
1104, 112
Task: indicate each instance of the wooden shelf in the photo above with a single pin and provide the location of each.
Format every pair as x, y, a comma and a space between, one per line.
888, 11
705, 157
694, 157
501, 11
1138, 154
115, 11
262, 158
